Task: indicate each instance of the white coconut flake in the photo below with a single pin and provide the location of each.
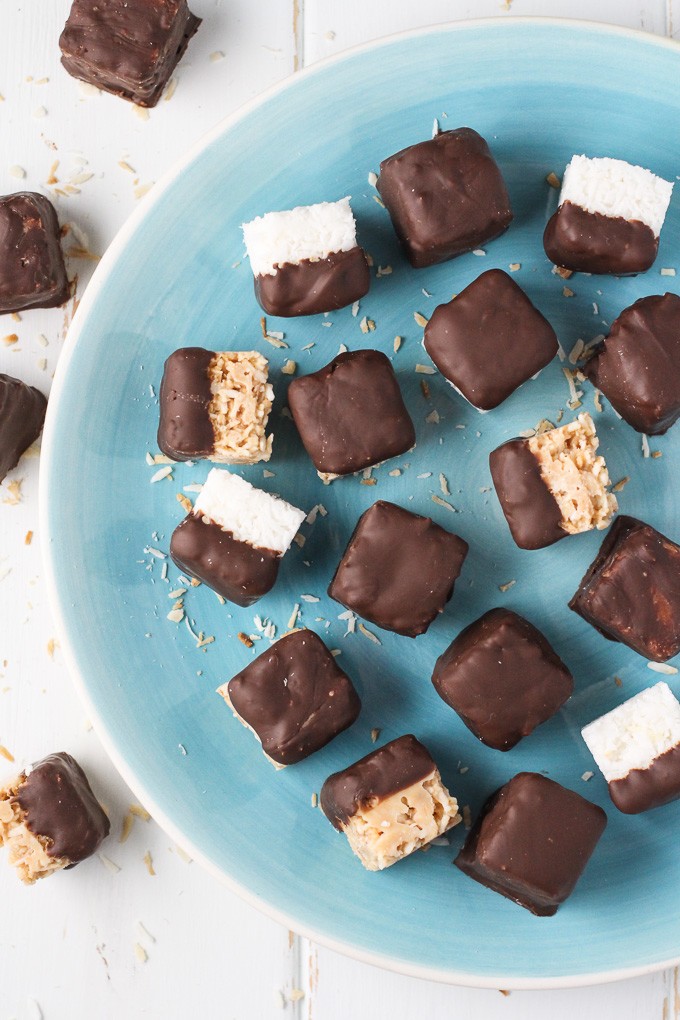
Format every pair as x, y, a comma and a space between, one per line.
645, 446
309, 598
369, 634
17, 171
612, 187
372, 179
162, 473
667, 272
305, 232
663, 667
249, 514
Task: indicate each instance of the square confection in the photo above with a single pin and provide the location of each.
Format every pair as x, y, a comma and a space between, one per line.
445, 196
553, 484
637, 749
306, 260
22, 413
234, 538
638, 366
351, 414
502, 677
215, 404
293, 697
130, 48
32, 271
631, 591
49, 818
389, 803
532, 841
489, 340
398, 569
609, 217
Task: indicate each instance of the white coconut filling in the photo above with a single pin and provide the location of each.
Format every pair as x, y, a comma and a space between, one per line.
634, 734
612, 187
306, 232
251, 515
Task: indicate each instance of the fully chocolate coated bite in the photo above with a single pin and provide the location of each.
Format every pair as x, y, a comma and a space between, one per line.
32, 271
22, 413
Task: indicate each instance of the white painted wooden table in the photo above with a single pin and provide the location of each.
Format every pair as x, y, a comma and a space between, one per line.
70, 947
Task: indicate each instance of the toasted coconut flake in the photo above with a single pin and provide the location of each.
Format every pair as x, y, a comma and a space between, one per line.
515, 267
567, 292
620, 485
425, 370
7, 755
378, 199
375, 733
564, 274
149, 863
442, 502
126, 828
369, 634
314, 800
185, 502
170, 90
140, 953
553, 180
139, 812
289, 367
244, 639
420, 320
507, 586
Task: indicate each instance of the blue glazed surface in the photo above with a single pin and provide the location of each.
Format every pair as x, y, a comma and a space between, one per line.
538, 92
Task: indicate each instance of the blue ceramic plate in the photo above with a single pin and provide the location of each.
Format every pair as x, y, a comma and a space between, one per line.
176, 275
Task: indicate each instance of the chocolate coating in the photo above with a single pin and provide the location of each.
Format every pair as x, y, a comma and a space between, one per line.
591, 243
531, 510
631, 591
531, 842
32, 270
379, 775
22, 413
351, 414
295, 697
502, 677
60, 806
185, 431
643, 789
398, 569
638, 366
489, 339
127, 47
309, 287
239, 572
445, 196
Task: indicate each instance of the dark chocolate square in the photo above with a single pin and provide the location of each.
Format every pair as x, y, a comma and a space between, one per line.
502, 678
532, 841
32, 271
489, 339
631, 591
351, 414
22, 413
398, 569
445, 196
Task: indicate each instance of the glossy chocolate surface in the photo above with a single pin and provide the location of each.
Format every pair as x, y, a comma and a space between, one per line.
531, 842
60, 806
32, 271
445, 196
502, 677
631, 591
129, 48
185, 431
295, 697
379, 775
489, 339
652, 787
638, 366
22, 413
591, 243
398, 569
351, 414
531, 510
310, 287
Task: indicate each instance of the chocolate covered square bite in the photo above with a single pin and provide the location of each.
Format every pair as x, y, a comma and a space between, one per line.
502, 677
389, 803
351, 414
532, 841
445, 196
631, 591
50, 818
489, 340
294, 697
398, 569
32, 270
128, 48
22, 414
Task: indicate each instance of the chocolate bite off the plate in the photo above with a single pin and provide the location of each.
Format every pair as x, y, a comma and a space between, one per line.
294, 697
22, 414
502, 677
32, 271
351, 414
130, 48
637, 367
445, 196
631, 591
398, 569
489, 340
532, 841
50, 818
389, 803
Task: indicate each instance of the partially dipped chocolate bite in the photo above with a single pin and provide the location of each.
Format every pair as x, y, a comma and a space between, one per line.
32, 271
22, 414
306, 260
398, 569
489, 340
50, 818
234, 538
351, 414
445, 196
609, 217
294, 697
